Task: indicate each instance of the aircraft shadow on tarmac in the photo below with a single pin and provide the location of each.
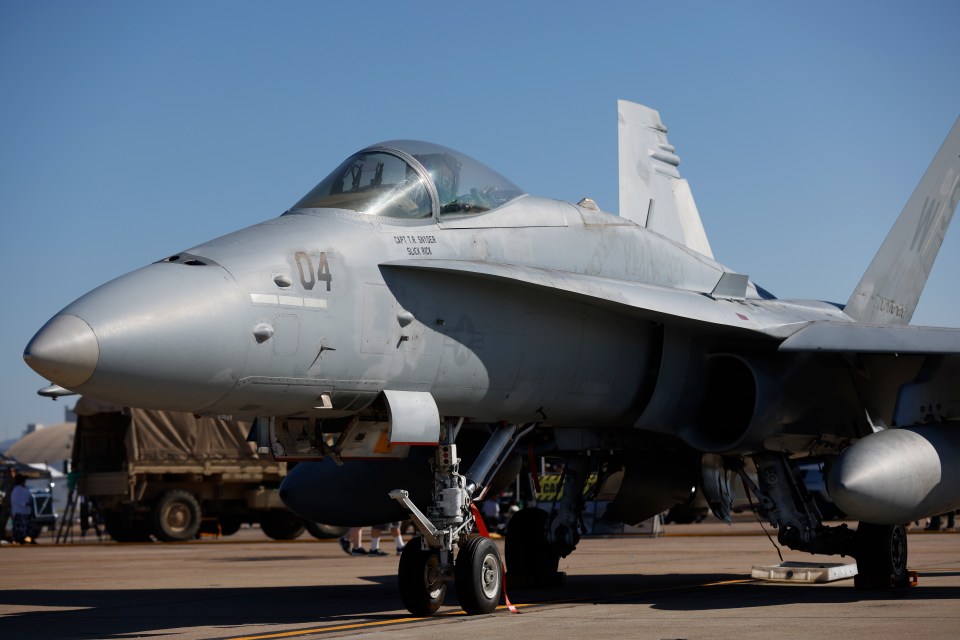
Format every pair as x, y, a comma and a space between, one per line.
687, 592
112, 614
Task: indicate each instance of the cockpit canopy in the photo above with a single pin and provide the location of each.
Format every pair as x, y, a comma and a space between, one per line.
411, 179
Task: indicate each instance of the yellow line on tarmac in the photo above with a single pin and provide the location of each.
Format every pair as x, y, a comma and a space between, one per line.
381, 623
341, 627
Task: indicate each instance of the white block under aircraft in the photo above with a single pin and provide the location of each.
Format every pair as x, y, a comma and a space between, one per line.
417, 320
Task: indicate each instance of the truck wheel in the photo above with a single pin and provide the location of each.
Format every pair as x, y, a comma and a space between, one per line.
324, 531
176, 517
282, 525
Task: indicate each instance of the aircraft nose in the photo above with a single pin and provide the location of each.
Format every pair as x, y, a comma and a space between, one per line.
65, 350
167, 336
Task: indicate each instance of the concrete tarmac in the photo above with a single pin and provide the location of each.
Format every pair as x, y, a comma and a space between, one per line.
692, 583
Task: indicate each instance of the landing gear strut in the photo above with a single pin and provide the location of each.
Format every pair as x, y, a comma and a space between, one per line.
880, 550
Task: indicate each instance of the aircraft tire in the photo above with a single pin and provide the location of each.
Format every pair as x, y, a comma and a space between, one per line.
881, 552
176, 516
478, 574
420, 595
527, 553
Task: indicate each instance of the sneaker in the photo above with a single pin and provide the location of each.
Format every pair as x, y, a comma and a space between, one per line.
399, 551
345, 545
359, 551
377, 552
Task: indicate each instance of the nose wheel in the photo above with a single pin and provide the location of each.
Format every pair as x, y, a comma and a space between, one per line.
478, 574
422, 587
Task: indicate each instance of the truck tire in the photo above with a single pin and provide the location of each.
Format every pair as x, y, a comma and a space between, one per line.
324, 531
282, 525
176, 517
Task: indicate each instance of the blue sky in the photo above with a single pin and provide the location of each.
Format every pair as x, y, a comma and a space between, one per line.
133, 130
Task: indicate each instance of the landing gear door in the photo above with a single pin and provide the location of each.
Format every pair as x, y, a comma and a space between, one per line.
414, 418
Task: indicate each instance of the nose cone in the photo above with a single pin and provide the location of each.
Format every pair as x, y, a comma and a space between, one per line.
64, 351
167, 336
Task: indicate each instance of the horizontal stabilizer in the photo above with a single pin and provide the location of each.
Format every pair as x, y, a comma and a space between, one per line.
849, 337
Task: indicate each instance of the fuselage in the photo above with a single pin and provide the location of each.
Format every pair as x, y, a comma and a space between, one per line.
263, 320
316, 312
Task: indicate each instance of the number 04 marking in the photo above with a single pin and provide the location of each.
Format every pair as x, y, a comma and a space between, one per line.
309, 278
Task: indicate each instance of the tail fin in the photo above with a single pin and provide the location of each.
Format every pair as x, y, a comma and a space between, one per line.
652, 193
890, 289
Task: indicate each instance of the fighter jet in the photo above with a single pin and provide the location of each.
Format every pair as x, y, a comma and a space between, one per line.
417, 323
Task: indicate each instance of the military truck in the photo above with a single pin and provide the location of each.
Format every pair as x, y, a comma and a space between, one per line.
173, 475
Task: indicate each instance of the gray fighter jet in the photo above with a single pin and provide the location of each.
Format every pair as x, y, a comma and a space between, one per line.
417, 321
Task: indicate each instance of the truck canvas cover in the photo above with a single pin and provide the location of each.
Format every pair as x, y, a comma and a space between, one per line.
171, 437
161, 436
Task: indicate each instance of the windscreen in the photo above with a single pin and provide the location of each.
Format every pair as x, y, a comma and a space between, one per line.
375, 183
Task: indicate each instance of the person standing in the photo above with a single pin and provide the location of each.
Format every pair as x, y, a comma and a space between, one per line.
9, 475
21, 505
393, 528
351, 541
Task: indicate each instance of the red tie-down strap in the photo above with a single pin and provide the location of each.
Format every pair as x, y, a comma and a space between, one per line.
482, 530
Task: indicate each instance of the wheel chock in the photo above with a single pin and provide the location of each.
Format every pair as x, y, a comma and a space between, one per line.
875, 581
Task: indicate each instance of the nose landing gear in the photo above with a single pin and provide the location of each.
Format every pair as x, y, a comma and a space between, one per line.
427, 563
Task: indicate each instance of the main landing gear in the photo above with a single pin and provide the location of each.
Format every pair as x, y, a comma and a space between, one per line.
536, 540
427, 563
880, 550
532, 561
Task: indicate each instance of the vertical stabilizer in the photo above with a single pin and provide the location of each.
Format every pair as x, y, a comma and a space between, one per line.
890, 289
652, 193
